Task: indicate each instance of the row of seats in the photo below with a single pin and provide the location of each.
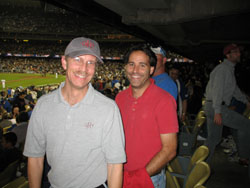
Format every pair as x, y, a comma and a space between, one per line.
20, 182
9, 174
188, 172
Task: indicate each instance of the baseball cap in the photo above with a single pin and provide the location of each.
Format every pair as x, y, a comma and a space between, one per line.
159, 50
83, 46
230, 47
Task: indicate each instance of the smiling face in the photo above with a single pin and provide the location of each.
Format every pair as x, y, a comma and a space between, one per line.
79, 71
138, 70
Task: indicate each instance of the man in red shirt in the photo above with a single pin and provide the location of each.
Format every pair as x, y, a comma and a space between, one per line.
149, 119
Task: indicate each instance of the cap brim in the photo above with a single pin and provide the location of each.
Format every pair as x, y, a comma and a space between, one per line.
85, 52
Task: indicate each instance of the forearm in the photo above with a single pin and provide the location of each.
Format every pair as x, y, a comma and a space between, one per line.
166, 154
115, 174
35, 170
184, 106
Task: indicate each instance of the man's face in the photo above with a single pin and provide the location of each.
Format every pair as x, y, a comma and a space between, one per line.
16, 110
22, 96
234, 56
79, 70
138, 70
174, 74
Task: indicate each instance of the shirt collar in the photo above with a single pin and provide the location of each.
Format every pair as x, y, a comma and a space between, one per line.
87, 99
229, 63
146, 92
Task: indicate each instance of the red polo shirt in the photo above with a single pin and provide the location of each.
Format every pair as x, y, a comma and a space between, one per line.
144, 119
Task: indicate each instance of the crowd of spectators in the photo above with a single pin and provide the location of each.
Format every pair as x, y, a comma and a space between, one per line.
38, 20
51, 48
31, 65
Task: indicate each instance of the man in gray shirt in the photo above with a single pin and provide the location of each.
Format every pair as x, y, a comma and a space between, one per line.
78, 128
220, 90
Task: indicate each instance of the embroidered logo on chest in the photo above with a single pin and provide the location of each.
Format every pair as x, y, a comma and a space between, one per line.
89, 125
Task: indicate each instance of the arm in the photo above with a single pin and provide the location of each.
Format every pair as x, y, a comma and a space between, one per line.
35, 170
167, 153
184, 110
115, 173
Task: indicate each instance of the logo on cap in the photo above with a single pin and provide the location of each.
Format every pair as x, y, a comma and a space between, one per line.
88, 44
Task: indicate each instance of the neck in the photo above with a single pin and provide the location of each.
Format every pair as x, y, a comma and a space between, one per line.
234, 62
73, 96
138, 92
159, 71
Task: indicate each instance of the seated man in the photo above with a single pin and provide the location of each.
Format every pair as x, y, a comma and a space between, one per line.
9, 153
21, 128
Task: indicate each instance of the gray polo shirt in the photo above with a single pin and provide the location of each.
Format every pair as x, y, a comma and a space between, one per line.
78, 140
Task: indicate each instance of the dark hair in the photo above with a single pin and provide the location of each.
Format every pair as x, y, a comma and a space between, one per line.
144, 48
177, 67
22, 117
10, 137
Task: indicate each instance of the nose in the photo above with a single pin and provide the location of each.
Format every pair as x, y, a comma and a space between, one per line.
135, 68
83, 66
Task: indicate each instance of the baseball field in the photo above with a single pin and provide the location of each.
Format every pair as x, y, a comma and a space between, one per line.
14, 80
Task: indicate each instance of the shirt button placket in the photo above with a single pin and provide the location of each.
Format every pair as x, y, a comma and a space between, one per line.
69, 119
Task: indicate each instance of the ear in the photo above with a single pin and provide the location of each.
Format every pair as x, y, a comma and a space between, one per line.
64, 62
164, 60
152, 70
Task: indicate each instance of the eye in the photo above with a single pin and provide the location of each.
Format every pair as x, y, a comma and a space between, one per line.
91, 62
130, 64
76, 59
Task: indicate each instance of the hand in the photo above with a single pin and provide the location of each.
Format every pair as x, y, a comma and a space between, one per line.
232, 107
218, 119
183, 117
248, 105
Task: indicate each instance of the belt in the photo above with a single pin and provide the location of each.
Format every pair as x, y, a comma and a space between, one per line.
222, 103
102, 186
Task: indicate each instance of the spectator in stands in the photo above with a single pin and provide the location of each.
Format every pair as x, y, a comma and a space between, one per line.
21, 128
220, 90
15, 113
6, 122
114, 81
9, 152
82, 134
161, 78
5, 102
182, 93
20, 101
150, 122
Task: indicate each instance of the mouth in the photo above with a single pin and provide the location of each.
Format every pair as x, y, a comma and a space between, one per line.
135, 76
80, 75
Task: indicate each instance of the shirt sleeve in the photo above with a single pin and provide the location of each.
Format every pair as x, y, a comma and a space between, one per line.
113, 138
166, 116
35, 140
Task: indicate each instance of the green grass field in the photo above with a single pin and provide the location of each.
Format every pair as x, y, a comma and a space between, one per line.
14, 80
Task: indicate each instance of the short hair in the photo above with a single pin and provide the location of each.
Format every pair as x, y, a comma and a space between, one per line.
10, 137
177, 67
144, 48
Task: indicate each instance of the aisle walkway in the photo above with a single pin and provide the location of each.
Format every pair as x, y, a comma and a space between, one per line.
227, 174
